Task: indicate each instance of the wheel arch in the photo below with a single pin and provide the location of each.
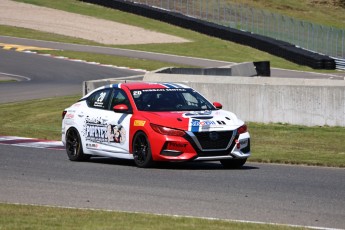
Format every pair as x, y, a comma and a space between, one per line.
133, 137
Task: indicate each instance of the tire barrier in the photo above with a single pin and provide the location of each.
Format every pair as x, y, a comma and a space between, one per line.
278, 48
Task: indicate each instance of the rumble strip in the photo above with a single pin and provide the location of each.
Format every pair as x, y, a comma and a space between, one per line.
31, 142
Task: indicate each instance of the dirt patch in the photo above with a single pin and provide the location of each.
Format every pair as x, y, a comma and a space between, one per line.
75, 25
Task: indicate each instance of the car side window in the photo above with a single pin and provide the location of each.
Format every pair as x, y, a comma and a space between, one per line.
99, 99
119, 97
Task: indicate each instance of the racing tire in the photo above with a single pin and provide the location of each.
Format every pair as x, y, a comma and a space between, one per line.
74, 146
142, 151
233, 163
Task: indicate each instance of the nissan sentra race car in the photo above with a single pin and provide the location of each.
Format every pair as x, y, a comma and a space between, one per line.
152, 122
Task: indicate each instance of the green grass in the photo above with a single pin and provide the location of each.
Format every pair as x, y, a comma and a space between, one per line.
40, 217
274, 143
200, 46
5, 81
27, 119
292, 144
324, 12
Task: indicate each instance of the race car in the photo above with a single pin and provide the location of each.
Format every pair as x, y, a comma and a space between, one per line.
153, 122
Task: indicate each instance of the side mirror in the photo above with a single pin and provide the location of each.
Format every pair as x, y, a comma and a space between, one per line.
217, 105
121, 108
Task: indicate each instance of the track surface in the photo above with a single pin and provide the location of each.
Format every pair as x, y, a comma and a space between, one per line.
269, 193
160, 57
48, 76
259, 192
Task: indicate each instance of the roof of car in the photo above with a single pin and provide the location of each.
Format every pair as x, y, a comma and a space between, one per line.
139, 85
150, 85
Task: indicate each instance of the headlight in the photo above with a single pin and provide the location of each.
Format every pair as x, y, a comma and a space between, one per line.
167, 131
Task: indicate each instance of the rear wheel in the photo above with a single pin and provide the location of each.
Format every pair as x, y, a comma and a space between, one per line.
74, 147
233, 163
142, 151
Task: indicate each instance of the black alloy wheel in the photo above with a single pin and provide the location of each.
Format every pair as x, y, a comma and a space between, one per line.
142, 151
74, 146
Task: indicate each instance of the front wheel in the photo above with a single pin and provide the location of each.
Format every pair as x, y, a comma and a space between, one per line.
74, 147
142, 151
233, 163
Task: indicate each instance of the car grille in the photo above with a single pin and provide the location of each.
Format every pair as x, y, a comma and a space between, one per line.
214, 140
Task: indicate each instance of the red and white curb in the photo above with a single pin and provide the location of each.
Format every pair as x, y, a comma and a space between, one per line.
31, 142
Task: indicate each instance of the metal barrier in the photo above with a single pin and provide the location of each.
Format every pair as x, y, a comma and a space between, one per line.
318, 38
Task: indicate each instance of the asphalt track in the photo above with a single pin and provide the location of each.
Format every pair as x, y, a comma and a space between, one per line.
298, 195
42, 77
199, 62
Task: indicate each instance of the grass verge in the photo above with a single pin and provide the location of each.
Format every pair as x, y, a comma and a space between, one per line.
273, 143
133, 63
40, 217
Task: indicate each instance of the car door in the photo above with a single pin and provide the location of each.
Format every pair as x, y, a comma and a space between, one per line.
107, 132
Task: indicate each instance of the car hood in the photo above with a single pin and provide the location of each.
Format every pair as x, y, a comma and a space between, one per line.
195, 121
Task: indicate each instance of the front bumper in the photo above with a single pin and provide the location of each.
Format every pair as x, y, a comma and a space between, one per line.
206, 146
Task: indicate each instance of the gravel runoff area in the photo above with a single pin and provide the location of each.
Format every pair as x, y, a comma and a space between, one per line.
60, 22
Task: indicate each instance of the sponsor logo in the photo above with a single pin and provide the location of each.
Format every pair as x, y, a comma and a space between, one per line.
91, 145
100, 100
202, 123
139, 123
97, 131
164, 90
177, 145
197, 113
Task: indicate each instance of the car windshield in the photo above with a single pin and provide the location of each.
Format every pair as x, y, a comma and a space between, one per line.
176, 99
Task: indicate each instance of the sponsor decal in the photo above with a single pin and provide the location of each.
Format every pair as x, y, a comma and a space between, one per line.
98, 131
92, 145
176, 145
137, 93
197, 113
202, 123
100, 100
197, 125
164, 90
139, 123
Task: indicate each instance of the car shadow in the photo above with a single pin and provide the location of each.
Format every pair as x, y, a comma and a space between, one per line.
201, 165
